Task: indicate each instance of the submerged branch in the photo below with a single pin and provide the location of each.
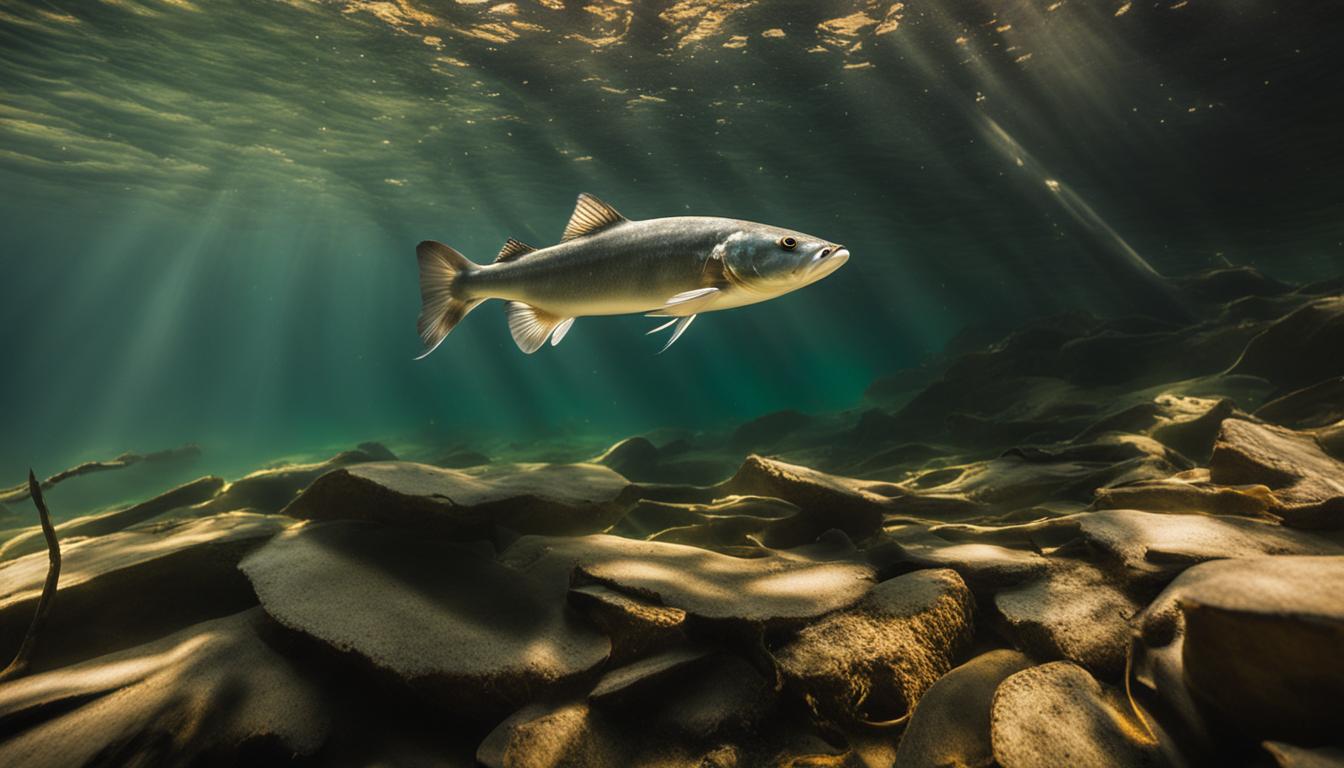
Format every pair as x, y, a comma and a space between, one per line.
20, 492
19, 665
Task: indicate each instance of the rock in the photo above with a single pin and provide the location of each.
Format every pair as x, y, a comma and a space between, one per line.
768, 429
1299, 349
475, 636
1028, 476
1189, 492
872, 661
212, 693
544, 736
1190, 424
634, 457
635, 627
269, 490
1289, 756
1074, 612
712, 716
628, 685
985, 567
1057, 714
776, 589
950, 725
1307, 483
1259, 642
126, 588
528, 498
461, 459
195, 492
1318, 405
830, 501
1159, 546
376, 451
733, 521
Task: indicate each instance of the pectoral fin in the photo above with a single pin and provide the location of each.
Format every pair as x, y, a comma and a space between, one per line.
530, 326
687, 303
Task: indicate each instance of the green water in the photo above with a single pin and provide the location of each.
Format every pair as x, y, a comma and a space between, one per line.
208, 209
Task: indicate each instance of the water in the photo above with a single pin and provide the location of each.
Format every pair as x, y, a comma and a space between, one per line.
208, 210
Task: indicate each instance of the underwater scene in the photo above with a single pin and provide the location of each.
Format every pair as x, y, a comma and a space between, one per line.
672, 383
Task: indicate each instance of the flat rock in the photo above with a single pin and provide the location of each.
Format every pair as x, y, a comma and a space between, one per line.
774, 589
447, 619
626, 685
1028, 476
985, 567
634, 457
527, 498
1259, 643
212, 693
1189, 492
126, 588
1307, 482
1162, 545
872, 661
828, 501
1057, 714
194, 492
1299, 349
768, 429
731, 521
1074, 612
1289, 756
713, 717
950, 726
269, 490
635, 627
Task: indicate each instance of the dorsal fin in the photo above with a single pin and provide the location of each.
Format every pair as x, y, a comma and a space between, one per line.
513, 250
590, 215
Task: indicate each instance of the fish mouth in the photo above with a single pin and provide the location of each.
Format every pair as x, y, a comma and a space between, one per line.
827, 261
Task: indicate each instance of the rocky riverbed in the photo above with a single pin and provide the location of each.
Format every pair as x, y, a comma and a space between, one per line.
1087, 542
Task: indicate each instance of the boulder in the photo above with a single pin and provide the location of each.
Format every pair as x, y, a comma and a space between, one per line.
527, 498
873, 660
445, 619
950, 725
1307, 483
1057, 714
1259, 642
214, 693
126, 588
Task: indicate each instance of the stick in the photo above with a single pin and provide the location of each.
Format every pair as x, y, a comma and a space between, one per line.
19, 665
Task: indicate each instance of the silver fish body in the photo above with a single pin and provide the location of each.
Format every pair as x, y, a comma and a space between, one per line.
606, 264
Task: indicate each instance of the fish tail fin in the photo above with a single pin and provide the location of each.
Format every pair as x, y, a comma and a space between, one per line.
443, 302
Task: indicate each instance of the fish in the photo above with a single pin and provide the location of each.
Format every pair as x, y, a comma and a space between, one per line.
606, 264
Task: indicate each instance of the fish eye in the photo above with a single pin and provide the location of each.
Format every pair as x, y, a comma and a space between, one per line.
788, 243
